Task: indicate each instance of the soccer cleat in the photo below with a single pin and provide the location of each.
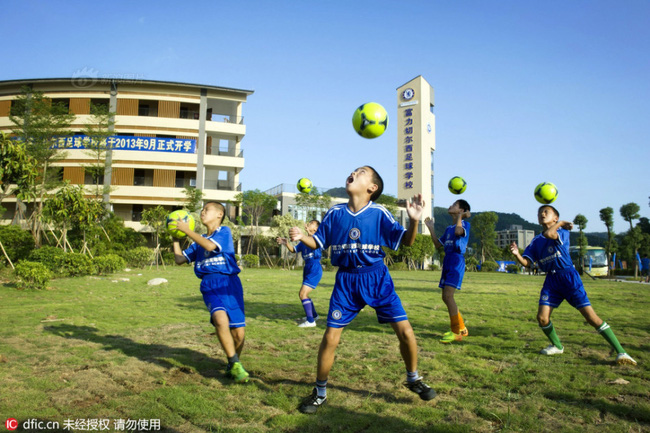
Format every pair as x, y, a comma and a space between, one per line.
624, 359
464, 332
228, 371
449, 337
312, 403
307, 324
551, 350
238, 373
422, 389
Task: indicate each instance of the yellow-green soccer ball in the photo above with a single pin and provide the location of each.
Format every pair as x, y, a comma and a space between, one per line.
457, 185
173, 217
370, 120
304, 185
545, 193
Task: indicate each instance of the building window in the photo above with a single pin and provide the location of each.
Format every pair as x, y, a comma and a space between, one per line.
138, 177
136, 214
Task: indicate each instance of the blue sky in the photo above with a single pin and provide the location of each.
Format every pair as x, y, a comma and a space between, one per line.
525, 92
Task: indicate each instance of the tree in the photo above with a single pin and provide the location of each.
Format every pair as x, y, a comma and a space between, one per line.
581, 221
156, 218
97, 130
607, 217
483, 227
17, 167
630, 212
315, 203
390, 203
256, 207
38, 124
415, 254
194, 199
280, 226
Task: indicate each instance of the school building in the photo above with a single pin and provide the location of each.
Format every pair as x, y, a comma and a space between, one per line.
167, 136
515, 233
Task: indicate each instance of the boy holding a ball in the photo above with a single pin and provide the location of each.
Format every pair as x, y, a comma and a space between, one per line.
213, 255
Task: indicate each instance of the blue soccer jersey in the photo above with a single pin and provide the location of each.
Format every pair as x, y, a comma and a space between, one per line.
308, 255
356, 238
550, 254
453, 266
221, 260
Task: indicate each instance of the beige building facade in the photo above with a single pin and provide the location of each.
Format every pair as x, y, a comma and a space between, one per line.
167, 136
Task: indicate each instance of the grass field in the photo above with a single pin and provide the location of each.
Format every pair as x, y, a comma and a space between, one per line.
91, 349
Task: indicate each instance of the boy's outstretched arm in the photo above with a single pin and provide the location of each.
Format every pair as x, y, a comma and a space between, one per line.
429, 223
459, 230
285, 242
551, 232
414, 209
179, 258
297, 235
514, 249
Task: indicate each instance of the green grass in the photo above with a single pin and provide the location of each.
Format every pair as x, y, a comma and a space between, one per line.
92, 348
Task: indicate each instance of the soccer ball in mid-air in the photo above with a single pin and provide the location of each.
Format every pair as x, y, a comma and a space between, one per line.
370, 120
304, 185
545, 193
172, 219
457, 185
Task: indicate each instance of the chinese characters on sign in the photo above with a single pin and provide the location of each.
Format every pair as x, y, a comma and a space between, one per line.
408, 148
118, 142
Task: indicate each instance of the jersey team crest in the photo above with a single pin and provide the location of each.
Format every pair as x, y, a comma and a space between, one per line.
355, 233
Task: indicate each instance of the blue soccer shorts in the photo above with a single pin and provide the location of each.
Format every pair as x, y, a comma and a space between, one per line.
561, 285
312, 273
224, 292
356, 288
453, 270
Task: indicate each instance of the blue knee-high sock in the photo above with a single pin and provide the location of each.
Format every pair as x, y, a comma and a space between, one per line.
308, 305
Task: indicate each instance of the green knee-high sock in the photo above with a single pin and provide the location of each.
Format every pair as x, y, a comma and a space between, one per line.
608, 335
549, 330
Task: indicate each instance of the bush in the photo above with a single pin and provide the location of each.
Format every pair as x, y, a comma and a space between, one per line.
48, 256
434, 267
17, 243
138, 257
74, 265
251, 260
489, 266
512, 269
108, 264
399, 266
327, 264
32, 275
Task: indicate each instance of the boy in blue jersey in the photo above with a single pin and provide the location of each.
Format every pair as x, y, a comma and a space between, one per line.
454, 241
356, 231
551, 251
213, 255
311, 273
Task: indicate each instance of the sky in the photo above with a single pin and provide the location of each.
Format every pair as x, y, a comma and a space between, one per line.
525, 92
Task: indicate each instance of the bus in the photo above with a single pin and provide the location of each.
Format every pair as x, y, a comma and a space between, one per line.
595, 258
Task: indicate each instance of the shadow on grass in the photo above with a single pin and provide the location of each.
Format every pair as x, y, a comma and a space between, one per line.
165, 356
632, 413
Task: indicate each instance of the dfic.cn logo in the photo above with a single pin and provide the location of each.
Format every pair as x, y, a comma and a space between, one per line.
11, 424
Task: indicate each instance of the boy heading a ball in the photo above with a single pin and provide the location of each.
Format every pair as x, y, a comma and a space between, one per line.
213, 255
454, 241
550, 250
356, 231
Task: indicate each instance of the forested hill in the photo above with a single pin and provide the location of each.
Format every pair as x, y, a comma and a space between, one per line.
443, 219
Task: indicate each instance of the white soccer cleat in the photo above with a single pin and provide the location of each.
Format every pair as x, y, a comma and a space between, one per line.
551, 350
304, 319
624, 359
306, 324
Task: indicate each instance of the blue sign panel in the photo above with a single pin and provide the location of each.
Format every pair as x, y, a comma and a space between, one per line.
120, 142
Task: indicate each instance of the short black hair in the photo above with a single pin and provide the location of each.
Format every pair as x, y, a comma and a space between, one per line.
219, 207
315, 221
557, 213
377, 180
463, 205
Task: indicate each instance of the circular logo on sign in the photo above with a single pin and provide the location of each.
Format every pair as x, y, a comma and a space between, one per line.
408, 94
336, 314
355, 233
